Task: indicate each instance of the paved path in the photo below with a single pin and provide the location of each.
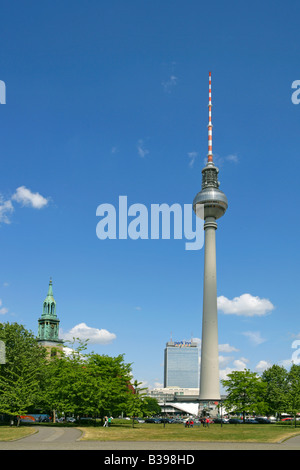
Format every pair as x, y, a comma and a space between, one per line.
69, 439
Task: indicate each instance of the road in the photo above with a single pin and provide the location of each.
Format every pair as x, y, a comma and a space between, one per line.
69, 439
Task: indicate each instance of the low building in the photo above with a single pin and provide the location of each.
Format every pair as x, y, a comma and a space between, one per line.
177, 401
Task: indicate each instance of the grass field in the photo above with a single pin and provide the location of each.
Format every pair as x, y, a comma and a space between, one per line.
120, 431
8, 433
177, 432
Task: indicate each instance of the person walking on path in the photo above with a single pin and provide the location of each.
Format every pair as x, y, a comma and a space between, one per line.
105, 425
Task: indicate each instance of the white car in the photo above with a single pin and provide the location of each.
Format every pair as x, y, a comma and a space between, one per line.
70, 420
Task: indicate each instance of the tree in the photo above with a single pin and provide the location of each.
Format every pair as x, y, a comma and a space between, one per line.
21, 374
276, 380
150, 407
112, 377
67, 385
245, 392
90, 384
293, 391
135, 401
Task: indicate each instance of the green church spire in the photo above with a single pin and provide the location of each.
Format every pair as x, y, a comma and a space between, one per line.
48, 332
50, 290
49, 306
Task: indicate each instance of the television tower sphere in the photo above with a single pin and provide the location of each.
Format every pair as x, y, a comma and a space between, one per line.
214, 201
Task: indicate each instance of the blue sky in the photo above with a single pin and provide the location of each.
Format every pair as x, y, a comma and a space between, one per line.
105, 99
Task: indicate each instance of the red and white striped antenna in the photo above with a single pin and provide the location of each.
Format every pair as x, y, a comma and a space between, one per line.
210, 154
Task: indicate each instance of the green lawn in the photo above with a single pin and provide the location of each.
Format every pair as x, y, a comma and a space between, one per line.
120, 431
177, 432
12, 433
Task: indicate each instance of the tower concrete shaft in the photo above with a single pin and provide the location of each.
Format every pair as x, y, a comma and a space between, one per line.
209, 373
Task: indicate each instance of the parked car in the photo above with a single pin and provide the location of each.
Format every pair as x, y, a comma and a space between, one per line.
139, 420
263, 420
235, 421
70, 419
251, 421
152, 420
221, 420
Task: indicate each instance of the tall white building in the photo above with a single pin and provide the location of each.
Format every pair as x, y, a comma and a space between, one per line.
181, 364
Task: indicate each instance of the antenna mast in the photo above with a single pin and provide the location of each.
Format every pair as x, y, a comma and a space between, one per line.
210, 154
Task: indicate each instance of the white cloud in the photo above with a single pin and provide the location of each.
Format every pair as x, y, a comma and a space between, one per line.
6, 208
254, 337
223, 373
262, 366
221, 161
192, 157
238, 365
114, 150
25, 197
142, 151
94, 335
232, 158
171, 80
224, 360
143, 383
246, 305
198, 341
158, 385
170, 83
297, 336
286, 363
68, 351
226, 348
3, 310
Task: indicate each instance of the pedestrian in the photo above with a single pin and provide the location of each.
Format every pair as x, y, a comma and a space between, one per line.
105, 425
191, 423
109, 421
207, 422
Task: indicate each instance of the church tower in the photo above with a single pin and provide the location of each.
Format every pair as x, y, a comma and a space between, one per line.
49, 325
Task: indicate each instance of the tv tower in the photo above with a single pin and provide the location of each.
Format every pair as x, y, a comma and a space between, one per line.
213, 203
